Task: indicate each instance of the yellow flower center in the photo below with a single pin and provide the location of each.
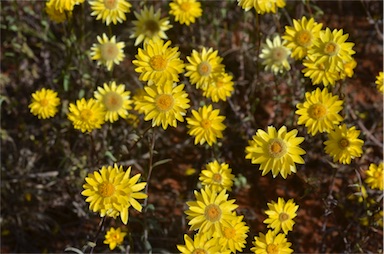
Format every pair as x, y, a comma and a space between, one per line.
304, 38
277, 148
113, 101
272, 248
206, 124
283, 216
158, 63
44, 102
343, 143
109, 51
217, 177
204, 68
317, 111
212, 213
151, 27
185, 6
331, 48
229, 233
106, 189
279, 54
164, 102
199, 251
86, 114
110, 4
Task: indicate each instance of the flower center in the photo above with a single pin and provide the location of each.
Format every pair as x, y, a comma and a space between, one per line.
199, 251
106, 189
212, 213
205, 123
217, 178
109, 51
272, 249
343, 143
378, 175
304, 38
164, 102
86, 114
151, 27
110, 4
229, 233
277, 148
204, 68
44, 102
185, 6
331, 48
317, 111
158, 63
283, 217
279, 54
113, 101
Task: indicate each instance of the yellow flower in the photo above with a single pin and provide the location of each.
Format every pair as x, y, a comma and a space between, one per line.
203, 67
185, 11
374, 178
320, 111
108, 51
114, 237
220, 88
149, 26
110, 10
280, 215
86, 115
332, 50
217, 176
65, 5
56, 15
158, 63
261, 6
234, 235
206, 125
275, 56
300, 37
348, 69
202, 243
343, 144
111, 191
318, 73
44, 103
276, 150
380, 82
115, 100
271, 243
165, 105
210, 211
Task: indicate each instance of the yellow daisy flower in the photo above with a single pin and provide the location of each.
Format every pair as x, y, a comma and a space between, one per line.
65, 5
332, 50
275, 56
318, 73
86, 115
111, 191
261, 6
185, 11
165, 105
343, 144
271, 243
217, 176
374, 176
380, 82
206, 125
348, 69
114, 237
107, 52
149, 26
320, 111
110, 10
276, 150
220, 88
115, 100
202, 243
203, 67
56, 15
158, 62
300, 37
44, 103
210, 211
234, 235
280, 215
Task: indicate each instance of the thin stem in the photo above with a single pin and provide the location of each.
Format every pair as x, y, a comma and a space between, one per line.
141, 137
101, 223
